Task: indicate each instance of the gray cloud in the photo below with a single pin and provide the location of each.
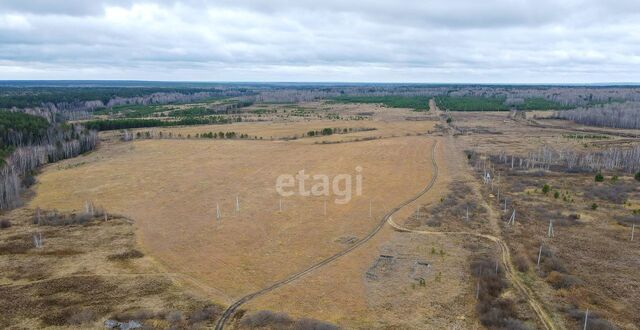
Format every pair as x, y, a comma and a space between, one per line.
452, 41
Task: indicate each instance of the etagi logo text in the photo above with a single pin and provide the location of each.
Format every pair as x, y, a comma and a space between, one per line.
321, 185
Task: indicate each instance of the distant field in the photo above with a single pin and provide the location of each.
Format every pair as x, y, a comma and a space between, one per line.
418, 103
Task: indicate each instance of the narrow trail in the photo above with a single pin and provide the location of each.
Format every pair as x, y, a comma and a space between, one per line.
531, 297
228, 313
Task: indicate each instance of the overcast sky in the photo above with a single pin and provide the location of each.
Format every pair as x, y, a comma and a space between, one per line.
490, 41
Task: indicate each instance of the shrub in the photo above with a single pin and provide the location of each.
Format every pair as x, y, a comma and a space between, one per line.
5, 223
618, 193
595, 320
207, 313
55, 218
546, 188
563, 281
594, 206
266, 319
637, 176
629, 220
552, 263
521, 262
556, 195
449, 120
140, 315
174, 317
82, 317
131, 254
311, 324
495, 312
599, 177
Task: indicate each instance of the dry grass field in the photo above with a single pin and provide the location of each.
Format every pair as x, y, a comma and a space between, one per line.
172, 187
87, 273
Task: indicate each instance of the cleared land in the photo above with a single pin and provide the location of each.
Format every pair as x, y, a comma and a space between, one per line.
482, 272
176, 214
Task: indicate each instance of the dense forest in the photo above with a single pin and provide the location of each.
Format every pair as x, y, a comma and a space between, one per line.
616, 115
457, 103
17, 129
28, 141
115, 124
36, 96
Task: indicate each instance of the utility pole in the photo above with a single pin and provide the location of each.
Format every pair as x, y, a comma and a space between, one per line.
539, 255
586, 318
218, 215
550, 231
237, 203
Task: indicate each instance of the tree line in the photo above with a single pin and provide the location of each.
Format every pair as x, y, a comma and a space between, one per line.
119, 124
28, 144
616, 115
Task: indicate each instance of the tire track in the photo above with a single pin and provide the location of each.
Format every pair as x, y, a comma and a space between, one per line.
228, 313
531, 297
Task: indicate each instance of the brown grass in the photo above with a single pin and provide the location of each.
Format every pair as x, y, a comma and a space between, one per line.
72, 282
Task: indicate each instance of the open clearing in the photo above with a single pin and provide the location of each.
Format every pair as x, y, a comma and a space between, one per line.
480, 272
171, 188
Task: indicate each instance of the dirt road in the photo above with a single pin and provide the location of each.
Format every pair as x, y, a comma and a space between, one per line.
531, 297
228, 313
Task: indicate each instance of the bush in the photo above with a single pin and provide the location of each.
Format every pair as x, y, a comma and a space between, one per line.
551, 263
5, 223
311, 324
131, 254
595, 320
495, 312
207, 313
629, 220
449, 120
637, 176
618, 193
546, 188
82, 317
556, 195
139, 315
174, 317
266, 319
599, 177
521, 263
594, 206
563, 281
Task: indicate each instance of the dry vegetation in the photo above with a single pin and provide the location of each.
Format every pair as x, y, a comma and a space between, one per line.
85, 273
177, 266
589, 261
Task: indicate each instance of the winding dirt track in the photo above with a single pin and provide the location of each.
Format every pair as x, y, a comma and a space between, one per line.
228, 313
532, 299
